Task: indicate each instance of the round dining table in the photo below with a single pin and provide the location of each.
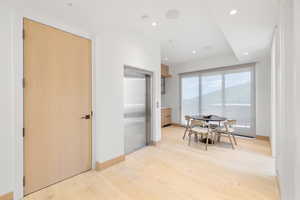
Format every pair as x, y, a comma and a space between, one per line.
209, 118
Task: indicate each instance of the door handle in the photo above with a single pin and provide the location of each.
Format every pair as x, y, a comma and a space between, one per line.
86, 117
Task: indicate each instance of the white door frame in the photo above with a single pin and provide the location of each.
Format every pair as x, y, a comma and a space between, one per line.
17, 61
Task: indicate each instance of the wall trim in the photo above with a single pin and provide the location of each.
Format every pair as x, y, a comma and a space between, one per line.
155, 143
278, 184
177, 124
8, 196
260, 137
109, 163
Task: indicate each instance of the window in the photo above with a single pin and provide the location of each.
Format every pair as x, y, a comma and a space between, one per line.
228, 92
211, 94
190, 95
237, 101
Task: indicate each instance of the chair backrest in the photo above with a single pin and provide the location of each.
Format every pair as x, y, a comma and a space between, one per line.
229, 123
198, 123
187, 118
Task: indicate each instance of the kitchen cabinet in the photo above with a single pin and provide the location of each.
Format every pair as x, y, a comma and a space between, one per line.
165, 73
166, 116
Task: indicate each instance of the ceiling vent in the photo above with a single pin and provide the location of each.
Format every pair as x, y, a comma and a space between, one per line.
172, 14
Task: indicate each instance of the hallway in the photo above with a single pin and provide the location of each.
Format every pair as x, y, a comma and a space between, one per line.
173, 170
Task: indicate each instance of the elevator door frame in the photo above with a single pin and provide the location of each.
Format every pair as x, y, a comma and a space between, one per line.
149, 100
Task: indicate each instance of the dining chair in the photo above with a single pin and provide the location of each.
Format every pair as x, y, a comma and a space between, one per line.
227, 131
188, 121
199, 127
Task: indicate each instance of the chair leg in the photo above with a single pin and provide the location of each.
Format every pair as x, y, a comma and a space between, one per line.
190, 138
217, 137
229, 135
196, 138
206, 142
186, 130
234, 140
214, 137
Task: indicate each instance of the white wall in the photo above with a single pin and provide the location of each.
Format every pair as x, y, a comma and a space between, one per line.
297, 91
274, 55
263, 84
113, 51
284, 137
6, 103
287, 91
263, 96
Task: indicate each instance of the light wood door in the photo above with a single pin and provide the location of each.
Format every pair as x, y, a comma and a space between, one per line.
57, 94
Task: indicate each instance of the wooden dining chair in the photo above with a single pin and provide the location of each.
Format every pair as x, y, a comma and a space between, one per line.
227, 131
187, 127
199, 127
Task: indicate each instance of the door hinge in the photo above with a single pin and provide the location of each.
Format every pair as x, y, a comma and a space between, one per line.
24, 181
23, 82
23, 34
23, 132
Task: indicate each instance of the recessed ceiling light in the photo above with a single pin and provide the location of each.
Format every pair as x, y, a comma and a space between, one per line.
233, 12
154, 24
194, 52
70, 4
246, 53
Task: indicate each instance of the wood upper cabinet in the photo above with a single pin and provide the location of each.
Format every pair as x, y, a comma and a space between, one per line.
165, 71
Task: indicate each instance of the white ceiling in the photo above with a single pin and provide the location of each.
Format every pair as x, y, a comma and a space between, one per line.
203, 25
251, 29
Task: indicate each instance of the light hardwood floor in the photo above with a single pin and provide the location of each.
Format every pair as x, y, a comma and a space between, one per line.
175, 171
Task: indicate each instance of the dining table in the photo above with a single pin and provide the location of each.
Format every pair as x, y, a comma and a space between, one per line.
208, 119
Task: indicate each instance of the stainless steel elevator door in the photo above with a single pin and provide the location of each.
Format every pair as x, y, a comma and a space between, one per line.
135, 115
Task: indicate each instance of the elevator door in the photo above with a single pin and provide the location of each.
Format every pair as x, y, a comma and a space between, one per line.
136, 115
